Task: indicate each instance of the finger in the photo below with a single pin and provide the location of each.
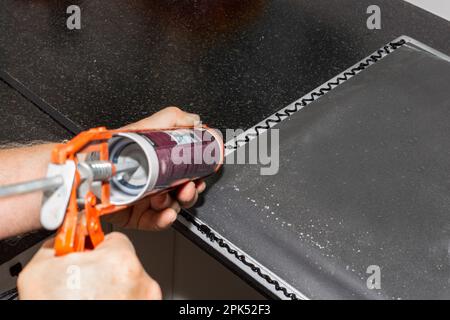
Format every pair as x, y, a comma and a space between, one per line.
200, 185
166, 118
49, 244
120, 218
151, 289
160, 201
191, 203
186, 193
159, 220
115, 241
136, 211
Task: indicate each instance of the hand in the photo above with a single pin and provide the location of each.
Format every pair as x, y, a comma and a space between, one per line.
111, 271
159, 211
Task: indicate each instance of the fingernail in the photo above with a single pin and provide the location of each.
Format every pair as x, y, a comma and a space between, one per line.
174, 217
201, 188
176, 207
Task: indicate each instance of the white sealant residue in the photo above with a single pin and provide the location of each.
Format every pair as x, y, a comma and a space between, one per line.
270, 213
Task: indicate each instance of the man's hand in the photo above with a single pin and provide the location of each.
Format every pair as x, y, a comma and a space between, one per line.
160, 211
111, 271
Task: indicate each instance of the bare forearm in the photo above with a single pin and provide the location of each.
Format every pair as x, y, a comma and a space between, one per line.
19, 214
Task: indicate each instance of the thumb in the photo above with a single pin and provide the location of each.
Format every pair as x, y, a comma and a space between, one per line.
116, 241
166, 118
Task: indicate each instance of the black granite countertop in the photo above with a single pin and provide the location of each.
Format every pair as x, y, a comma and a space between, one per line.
233, 62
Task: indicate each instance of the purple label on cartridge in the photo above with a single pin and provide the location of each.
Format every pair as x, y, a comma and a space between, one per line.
184, 154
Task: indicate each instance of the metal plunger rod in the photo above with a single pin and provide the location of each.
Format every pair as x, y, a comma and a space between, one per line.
43, 184
54, 182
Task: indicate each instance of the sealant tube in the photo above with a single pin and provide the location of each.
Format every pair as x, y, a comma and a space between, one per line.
163, 159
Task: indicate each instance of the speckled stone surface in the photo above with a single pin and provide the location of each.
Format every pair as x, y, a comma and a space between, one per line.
233, 62
21, 123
